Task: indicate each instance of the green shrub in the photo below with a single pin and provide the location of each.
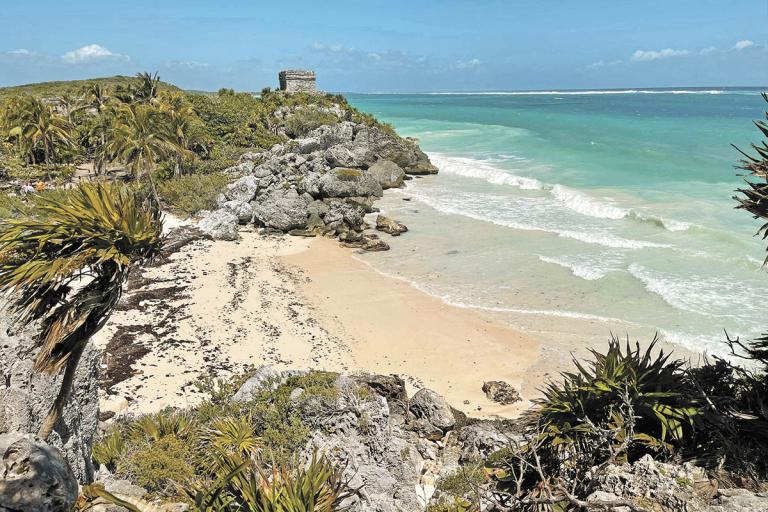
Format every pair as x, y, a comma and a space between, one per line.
348, 174
160, 466
652, 388
109, 449
303, 121
190, 194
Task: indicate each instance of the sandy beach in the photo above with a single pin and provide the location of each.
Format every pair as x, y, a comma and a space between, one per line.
219, 308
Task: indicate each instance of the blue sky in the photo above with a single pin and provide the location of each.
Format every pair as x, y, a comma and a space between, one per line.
392, 46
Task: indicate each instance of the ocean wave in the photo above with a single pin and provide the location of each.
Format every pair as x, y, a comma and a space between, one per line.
585, 204
575, 200
452, 301
582, 270
591, 237
470, 168
711, 296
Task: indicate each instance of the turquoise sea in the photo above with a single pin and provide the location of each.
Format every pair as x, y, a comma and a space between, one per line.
573, 213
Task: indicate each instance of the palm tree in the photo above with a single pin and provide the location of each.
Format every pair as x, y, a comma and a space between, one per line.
100, 99
139, 139
65, 267
183, 127
147, 88
36, 124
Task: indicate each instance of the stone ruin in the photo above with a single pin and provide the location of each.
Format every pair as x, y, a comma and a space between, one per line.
297, 80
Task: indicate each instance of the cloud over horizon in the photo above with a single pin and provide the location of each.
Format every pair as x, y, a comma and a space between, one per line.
91, 53
650, 55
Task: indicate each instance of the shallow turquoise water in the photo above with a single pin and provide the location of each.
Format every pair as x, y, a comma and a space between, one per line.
575, 213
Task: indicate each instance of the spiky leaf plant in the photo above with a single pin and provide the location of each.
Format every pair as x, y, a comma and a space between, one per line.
754, 197
650, 385
65, 266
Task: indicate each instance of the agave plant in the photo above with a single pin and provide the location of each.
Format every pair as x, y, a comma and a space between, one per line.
754, 197
66, 265
651, 387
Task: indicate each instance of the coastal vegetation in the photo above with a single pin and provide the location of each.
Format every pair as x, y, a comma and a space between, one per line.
63, 269
147, 130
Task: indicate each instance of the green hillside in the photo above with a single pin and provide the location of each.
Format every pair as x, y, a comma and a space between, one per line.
71, 87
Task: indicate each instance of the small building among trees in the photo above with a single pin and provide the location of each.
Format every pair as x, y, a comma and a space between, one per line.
297, 80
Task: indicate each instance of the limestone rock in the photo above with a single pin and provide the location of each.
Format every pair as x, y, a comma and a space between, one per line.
264, 378
500, 392
27, 396
390, 226
283, 210
738, 500
219, 224
480, 439
242, 211
34, 476
403, 152
668, 486
387, 173
428, 405
343, 182
241, 168
244, 189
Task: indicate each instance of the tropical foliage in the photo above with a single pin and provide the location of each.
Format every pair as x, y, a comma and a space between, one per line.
227, 456
64, 267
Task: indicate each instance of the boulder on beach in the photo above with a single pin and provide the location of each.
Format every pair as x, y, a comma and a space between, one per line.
219, 224
389, 226
387, 173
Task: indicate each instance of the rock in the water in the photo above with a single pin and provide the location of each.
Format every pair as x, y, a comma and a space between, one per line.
283, 210
34, 476
243, 211
500, 392
27, 396
370, 243
387, 173
390, 226
343, 182
219, 224
428, 405
403, 152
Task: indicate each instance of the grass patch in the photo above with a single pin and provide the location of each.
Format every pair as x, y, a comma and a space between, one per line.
190, 194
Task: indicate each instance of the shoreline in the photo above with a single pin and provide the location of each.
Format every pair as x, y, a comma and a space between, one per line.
220, 308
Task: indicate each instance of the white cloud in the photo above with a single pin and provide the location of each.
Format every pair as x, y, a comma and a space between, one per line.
467, 64
649, 55
744, 44
603, 64
332, 48
708, 50
90, 53
20, 51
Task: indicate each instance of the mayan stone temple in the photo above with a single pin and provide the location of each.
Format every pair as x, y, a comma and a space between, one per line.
297, 80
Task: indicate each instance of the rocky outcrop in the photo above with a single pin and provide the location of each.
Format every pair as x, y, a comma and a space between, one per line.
26, 397
389, 226
219, 224
500, 392
433, 409
387, 173
320, 184
34, 476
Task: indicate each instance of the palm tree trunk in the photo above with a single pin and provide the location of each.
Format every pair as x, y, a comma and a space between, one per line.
54, 414
152, 184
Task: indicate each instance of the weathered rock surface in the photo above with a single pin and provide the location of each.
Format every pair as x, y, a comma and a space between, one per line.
433, 408
243, 211
387, 173
34, 476
281, 209
500, 392
389, 226
219, 224
343, 182
26, 397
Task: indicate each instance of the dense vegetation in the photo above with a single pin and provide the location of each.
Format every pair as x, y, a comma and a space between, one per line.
151, 130
230, 456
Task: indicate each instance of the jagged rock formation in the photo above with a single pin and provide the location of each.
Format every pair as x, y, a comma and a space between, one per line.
26, 397
34, 476
321, 184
